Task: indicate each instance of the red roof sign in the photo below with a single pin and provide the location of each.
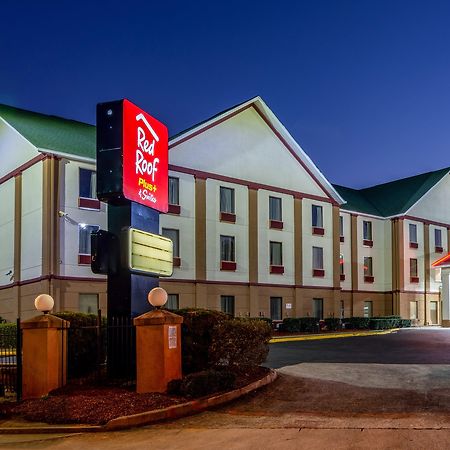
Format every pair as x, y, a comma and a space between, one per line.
145, 158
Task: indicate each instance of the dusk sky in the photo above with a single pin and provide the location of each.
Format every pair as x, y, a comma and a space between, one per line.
363, 86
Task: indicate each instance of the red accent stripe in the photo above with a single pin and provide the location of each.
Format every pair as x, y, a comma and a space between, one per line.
23, 167
52, 277
318, 273
413, 245
318, 231
277, 269
174, 209
90, 203
251, 185
84, 259
368, 243
227, 217
427, 222
227, 265
176, 261
276, 224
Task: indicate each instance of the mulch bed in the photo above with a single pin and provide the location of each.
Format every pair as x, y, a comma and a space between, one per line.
96, 405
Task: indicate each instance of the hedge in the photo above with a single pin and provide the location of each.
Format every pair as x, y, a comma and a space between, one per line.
357, 323
8, 335
299, 324
333, 323
240, 343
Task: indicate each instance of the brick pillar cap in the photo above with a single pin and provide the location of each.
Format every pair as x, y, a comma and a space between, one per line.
45, 321
157, 317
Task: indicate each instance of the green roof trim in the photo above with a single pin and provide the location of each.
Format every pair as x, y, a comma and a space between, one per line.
51, 132
393, 198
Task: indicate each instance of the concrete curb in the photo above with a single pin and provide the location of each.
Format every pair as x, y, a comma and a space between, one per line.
149, 417
331, 336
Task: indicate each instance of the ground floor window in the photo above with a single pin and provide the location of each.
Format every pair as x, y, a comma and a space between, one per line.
227, 304
88, 303
342, 310
368, 308
173, 301
318, 308
413, 310
276, 308
434, 312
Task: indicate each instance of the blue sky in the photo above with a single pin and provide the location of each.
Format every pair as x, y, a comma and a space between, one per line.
364, 86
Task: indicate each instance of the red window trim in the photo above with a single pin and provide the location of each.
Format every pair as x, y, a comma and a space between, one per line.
318, 231
276, 269
227, 217
413, 245
227, 265
342, 238
174, 209
368, 242
176, 261
276, 224
318, 272
342, 276
84, 260
414, 279
369, 279
88, 203
438, 250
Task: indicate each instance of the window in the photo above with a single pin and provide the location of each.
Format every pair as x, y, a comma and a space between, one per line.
174, 236
227, 200
227, 304
413, 270
318, 308
413, 234
88, 303
173, 301
368, 268
317, 216
341, 264
341, 226
438, 240
84, 238
413, 310
227, 248
174, 194
275, 212
88, 183
367, 230
317, 260
276, 254
276, 308
368, 308
342, 309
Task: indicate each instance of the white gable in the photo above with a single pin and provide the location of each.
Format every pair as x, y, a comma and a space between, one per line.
435, 204
245, 147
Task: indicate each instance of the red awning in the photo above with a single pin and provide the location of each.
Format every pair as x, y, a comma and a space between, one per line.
442, 262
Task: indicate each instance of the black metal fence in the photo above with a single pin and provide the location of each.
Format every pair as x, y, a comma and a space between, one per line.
11, 360
105, 350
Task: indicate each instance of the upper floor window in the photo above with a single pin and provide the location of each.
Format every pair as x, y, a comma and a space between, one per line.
174, 236
413, 235
84, 237
341, 226
88, 183
227, 200
341, 264
317, 216
368, 266
367, 230
275, 212
227, 248
413, 270
174, 191
317, 258
438, 239
276, 253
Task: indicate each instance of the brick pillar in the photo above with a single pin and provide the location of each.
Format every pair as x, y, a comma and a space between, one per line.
44, 355
158, 350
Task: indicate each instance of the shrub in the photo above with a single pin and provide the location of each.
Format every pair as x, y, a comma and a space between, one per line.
333, 323
8, 335
299, 324
404, 323
240, 343
357, 323
197, 334
264, 319
388, 322
82, 342
205, 383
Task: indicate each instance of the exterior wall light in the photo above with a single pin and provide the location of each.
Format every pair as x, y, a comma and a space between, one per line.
157, 297
44, 303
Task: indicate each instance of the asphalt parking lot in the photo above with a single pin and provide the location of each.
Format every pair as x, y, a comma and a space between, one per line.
408, 346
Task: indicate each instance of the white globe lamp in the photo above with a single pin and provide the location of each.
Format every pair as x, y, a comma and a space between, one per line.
157, 297
44, 303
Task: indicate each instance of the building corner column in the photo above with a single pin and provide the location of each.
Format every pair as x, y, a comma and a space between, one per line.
253, 257
201, 300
